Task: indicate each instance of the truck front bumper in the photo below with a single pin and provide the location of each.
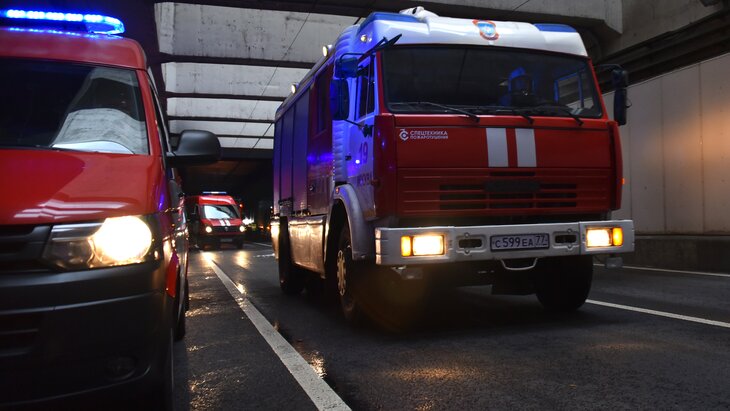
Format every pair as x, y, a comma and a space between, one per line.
474, 243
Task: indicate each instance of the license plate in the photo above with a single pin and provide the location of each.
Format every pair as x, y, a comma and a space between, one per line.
520, 242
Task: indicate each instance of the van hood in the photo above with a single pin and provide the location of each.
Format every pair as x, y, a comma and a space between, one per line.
44, 186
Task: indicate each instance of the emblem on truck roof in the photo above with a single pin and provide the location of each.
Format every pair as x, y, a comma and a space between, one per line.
487, 29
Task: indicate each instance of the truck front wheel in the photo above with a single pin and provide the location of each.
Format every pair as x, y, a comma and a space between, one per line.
347, 278
563, 284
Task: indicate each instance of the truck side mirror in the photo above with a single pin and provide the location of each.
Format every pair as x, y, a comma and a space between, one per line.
346, 67
195, 147
620, 80
339, 99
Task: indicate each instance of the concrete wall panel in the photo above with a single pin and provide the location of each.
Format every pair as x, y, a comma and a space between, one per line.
213, 31
230, 79
715, 89
682, 144
647, 165
222, 108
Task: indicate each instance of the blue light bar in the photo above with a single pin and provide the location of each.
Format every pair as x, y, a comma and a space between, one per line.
94, 23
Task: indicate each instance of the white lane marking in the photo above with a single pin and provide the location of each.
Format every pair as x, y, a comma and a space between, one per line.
526, 156
318, 391
497, 147
661, 313
666, 270
261, 244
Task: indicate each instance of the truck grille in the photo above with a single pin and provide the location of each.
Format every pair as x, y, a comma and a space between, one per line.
21, 247
486, 192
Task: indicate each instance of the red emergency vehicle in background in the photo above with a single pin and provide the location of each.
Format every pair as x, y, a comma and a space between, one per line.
215, 217
93, 236
469, 151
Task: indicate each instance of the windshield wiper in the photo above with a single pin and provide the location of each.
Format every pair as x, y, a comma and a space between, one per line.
511, 110
445, 107
556, 107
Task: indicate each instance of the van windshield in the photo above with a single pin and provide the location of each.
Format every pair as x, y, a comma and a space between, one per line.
67, 106
219, 211
488, 80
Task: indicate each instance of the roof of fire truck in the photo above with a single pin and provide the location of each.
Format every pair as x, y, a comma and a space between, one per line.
419, 26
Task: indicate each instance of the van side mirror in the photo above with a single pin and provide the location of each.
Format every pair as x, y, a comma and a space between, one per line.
346, 67
620, 80
339, 99
195, 147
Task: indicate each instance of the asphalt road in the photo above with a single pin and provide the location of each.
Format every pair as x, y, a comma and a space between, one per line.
470, 350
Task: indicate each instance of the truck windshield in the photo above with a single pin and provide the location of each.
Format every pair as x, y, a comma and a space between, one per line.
488, 80
219, 211
66, 106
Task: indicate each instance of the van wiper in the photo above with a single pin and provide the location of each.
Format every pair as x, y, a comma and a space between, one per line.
559, 108
443, 106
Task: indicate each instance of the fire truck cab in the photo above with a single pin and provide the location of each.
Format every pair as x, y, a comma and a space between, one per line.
472, 150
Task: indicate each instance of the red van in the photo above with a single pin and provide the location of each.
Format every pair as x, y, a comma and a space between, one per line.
93, 243
215, 217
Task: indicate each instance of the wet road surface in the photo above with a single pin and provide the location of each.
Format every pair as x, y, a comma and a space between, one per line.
470, 350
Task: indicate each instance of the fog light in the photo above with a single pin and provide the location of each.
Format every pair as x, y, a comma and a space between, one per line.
604, 237
421, 245
598, 237
241, 228
208, 229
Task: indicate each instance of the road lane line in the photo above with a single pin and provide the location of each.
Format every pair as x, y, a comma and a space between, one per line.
631, 267
661, 313
261, 244
323, 397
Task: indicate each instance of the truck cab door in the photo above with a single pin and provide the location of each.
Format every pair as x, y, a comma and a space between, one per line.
361, 139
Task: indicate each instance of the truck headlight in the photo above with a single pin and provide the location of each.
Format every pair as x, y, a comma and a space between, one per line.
208, 229
604, 237
422, 245
116, 241
241, 228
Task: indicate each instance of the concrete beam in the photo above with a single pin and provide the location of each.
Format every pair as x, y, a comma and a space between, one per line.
607, 13
224, 128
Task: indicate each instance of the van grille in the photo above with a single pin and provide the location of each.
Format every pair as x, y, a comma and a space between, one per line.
21, 247
483, 192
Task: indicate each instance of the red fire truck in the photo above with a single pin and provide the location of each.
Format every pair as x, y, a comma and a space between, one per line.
423, 147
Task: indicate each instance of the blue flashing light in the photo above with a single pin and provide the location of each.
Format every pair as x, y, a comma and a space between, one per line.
560, 28
95, 23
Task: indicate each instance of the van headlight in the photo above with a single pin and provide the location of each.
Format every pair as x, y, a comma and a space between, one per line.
113, 242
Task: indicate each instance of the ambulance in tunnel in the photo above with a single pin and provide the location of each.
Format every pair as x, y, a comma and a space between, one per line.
424, 149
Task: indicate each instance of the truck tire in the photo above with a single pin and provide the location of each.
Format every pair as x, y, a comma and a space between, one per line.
348, 277
562, 284
291, 277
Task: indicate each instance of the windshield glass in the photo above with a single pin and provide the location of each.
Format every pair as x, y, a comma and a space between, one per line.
219, 211
486, 80
65, 106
